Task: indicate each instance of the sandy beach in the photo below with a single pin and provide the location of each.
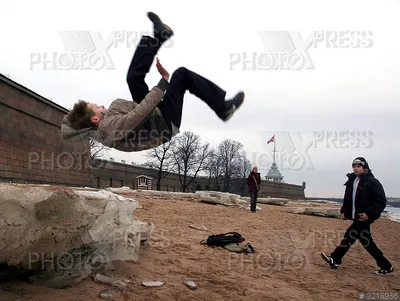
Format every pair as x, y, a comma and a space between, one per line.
286, 265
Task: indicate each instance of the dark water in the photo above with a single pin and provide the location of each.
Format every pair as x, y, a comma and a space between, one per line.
391, 202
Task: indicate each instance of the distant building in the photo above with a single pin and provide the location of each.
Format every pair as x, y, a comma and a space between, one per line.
274, 174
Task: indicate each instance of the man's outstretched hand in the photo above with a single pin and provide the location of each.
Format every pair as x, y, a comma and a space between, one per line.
164, 73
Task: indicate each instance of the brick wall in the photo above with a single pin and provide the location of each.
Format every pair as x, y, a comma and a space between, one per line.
31, 150
115, 174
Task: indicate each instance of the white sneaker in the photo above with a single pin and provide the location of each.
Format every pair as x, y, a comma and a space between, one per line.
329, 260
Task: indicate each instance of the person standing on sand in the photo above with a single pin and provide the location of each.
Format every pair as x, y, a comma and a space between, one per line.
253, 181
363, 203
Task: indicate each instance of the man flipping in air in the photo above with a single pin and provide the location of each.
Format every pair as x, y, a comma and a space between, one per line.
154, 116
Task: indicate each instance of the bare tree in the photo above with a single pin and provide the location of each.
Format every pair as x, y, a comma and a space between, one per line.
208, 166
161, 158
242, 170
214, 166
190, 156
96, 149
229, 152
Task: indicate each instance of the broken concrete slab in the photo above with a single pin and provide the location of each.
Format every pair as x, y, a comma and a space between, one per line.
199, 227
61, 235
152, 283
106, 295
110, 280
324, 212
272, 201
190, 284
221, 198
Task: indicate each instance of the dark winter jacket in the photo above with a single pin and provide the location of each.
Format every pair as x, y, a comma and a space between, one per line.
370, 197
252, 183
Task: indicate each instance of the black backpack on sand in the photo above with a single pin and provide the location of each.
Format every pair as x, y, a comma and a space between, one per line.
221, 240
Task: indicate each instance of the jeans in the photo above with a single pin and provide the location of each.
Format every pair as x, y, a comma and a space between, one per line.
253, 201
360, 230
182, 80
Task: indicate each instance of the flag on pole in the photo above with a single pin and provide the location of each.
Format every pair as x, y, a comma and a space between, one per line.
271, 140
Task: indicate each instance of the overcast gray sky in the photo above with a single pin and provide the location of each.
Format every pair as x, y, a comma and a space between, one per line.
347, 90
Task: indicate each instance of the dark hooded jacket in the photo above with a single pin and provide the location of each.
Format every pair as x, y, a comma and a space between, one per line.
370, 197
254, 181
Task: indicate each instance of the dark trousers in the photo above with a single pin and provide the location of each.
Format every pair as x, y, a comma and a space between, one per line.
253, 201
181, 80
360, 230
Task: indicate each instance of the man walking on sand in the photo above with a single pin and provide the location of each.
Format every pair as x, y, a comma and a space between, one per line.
154, 116
363, 203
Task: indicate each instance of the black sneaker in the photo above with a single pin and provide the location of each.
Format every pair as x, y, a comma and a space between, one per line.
384, 272
329, 260
232, 105
162, 32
